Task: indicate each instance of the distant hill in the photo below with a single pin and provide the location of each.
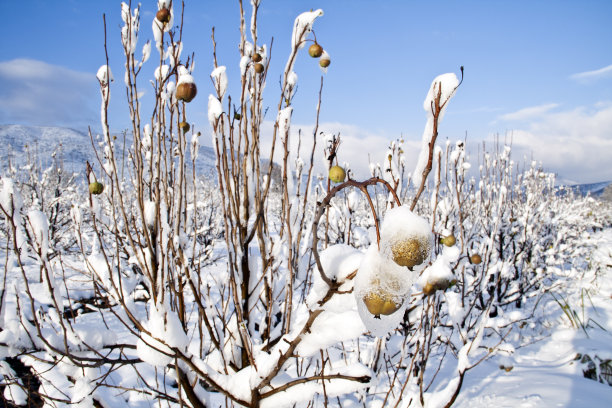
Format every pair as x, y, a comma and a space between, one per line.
76, 147
594, 189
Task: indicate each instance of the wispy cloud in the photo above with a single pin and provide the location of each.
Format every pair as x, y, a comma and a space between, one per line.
593, 75
529, 112
34, 92
575, 144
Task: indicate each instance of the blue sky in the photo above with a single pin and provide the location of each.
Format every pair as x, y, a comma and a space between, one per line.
538, 71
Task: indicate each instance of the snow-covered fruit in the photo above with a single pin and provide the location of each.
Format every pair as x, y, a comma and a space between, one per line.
412, 251
437, 284
337, 174
184, 126
186, 91
324, 62
315, 50
257, 57
405, 237
448, 240
163, 15
259, 68
475, 259
96, 188
380, 302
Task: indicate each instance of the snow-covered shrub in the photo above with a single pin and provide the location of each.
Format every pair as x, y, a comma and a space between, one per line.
260, 288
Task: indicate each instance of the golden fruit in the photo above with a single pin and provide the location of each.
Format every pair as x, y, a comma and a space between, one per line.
324, 62
256, 57
449, 241
186, 91
259, 68
475, 259
428, 289
315, 50
337, 174
380, 303
163, 15
184, 127
438, 284
411, 252
96, 188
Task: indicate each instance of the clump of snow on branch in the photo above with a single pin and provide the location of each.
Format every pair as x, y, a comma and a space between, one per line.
301, 28
444, 85
219, 77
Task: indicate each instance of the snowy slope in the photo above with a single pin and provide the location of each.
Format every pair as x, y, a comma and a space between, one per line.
76, 144
546, 373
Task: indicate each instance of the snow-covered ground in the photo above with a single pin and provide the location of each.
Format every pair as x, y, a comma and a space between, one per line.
546, 373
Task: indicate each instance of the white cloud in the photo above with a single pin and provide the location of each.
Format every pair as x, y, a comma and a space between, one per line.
529, 112
37, 93
593, 75
576, 144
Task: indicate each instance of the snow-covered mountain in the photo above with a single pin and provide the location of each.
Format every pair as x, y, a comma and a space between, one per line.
17, 140
594, 189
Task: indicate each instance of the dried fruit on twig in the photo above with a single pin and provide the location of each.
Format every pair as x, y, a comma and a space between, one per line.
337, 174
449, 240
184, 127
324, 62
186, 91
163, 15
475, 259
315, 50
96, 188
257, 57
259, 68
